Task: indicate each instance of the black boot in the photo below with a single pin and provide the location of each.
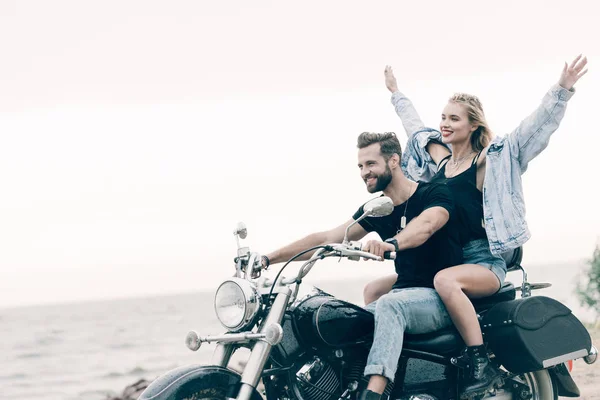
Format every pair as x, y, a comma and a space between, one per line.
369, 395
480, 375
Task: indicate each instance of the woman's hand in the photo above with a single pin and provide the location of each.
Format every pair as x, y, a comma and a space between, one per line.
390, 79
573, 72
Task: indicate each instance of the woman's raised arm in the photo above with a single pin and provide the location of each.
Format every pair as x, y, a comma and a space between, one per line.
533, 133
403, 106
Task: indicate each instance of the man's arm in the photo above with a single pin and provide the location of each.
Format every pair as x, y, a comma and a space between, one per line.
417, 232
335, 235
420, 229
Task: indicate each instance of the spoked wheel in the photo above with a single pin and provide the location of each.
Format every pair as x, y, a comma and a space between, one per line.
536, 385
197, 383
541, 385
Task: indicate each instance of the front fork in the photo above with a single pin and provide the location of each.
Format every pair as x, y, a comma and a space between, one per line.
260, 351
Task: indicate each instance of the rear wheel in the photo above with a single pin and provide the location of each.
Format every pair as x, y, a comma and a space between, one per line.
541, 385
537, 385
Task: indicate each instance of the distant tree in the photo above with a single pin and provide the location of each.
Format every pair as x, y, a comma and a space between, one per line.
588, 287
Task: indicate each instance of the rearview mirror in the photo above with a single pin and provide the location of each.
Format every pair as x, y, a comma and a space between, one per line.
241, 230
379, 207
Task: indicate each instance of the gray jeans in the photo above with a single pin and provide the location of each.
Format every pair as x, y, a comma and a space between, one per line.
411, 310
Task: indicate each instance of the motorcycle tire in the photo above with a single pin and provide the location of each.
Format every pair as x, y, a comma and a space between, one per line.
198, 383
541, 385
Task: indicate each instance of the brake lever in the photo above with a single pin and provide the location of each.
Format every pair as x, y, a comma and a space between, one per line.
387, 255
354, 255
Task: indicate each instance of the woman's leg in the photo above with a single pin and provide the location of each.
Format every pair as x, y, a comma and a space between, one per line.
456, 285
377, 288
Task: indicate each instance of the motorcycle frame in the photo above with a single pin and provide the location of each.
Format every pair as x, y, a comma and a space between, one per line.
261, 350
262, 347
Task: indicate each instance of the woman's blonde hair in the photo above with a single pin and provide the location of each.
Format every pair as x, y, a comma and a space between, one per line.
482, 136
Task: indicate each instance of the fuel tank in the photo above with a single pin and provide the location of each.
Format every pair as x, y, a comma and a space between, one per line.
324, 321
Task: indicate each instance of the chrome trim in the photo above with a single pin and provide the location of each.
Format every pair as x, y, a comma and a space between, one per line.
192, 341
564, 358
306, 291
250, 266
252, 303
304, 372
272, 335
316, 321
261, 350
222, 354
377, 207
592, 356
245, 392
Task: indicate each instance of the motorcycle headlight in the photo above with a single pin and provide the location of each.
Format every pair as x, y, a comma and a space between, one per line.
237, 302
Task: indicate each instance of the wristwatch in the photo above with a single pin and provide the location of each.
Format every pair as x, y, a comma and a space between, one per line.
394, 242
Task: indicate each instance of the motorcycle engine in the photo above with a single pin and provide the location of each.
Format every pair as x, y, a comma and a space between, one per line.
317, 380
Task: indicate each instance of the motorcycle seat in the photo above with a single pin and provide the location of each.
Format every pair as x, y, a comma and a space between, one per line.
445, 342
506, 293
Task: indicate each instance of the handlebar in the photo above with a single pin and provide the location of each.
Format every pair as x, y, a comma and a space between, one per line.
350, 250
353, 253
387, 255
357, 246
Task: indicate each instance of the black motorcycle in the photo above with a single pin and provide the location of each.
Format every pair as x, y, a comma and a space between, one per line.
315, 347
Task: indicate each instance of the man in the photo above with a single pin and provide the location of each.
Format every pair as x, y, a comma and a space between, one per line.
420, 230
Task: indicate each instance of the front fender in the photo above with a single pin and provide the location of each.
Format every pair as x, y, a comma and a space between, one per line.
195, 382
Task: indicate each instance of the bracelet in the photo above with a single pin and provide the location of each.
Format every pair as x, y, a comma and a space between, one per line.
265, 261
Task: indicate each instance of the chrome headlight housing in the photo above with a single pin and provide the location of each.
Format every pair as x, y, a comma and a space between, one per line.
237, 302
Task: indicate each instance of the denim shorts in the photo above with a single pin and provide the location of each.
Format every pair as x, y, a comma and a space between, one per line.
478, 252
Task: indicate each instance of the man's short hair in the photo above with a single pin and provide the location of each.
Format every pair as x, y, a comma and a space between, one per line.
388, 141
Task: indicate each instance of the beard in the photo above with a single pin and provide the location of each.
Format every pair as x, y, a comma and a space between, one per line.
382, 181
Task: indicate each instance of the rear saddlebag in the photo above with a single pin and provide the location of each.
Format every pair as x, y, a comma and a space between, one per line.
534, 333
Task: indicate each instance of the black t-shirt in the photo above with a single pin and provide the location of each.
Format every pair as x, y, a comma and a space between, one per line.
416, 267
468, 200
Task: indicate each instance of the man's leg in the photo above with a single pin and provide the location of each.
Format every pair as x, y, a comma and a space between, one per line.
412, 310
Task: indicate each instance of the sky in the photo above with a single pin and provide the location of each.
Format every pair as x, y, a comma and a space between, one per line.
135, 134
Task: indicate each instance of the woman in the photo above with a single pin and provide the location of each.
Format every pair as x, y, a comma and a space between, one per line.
491, 223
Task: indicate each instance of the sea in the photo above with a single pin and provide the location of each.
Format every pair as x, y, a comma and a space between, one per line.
92, 350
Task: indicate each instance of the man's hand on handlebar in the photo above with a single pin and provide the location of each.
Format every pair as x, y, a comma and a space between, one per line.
378, 248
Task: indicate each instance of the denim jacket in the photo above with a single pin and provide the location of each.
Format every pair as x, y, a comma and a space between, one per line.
507, 159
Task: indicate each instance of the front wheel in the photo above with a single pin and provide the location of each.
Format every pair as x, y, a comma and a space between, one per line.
196, 382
